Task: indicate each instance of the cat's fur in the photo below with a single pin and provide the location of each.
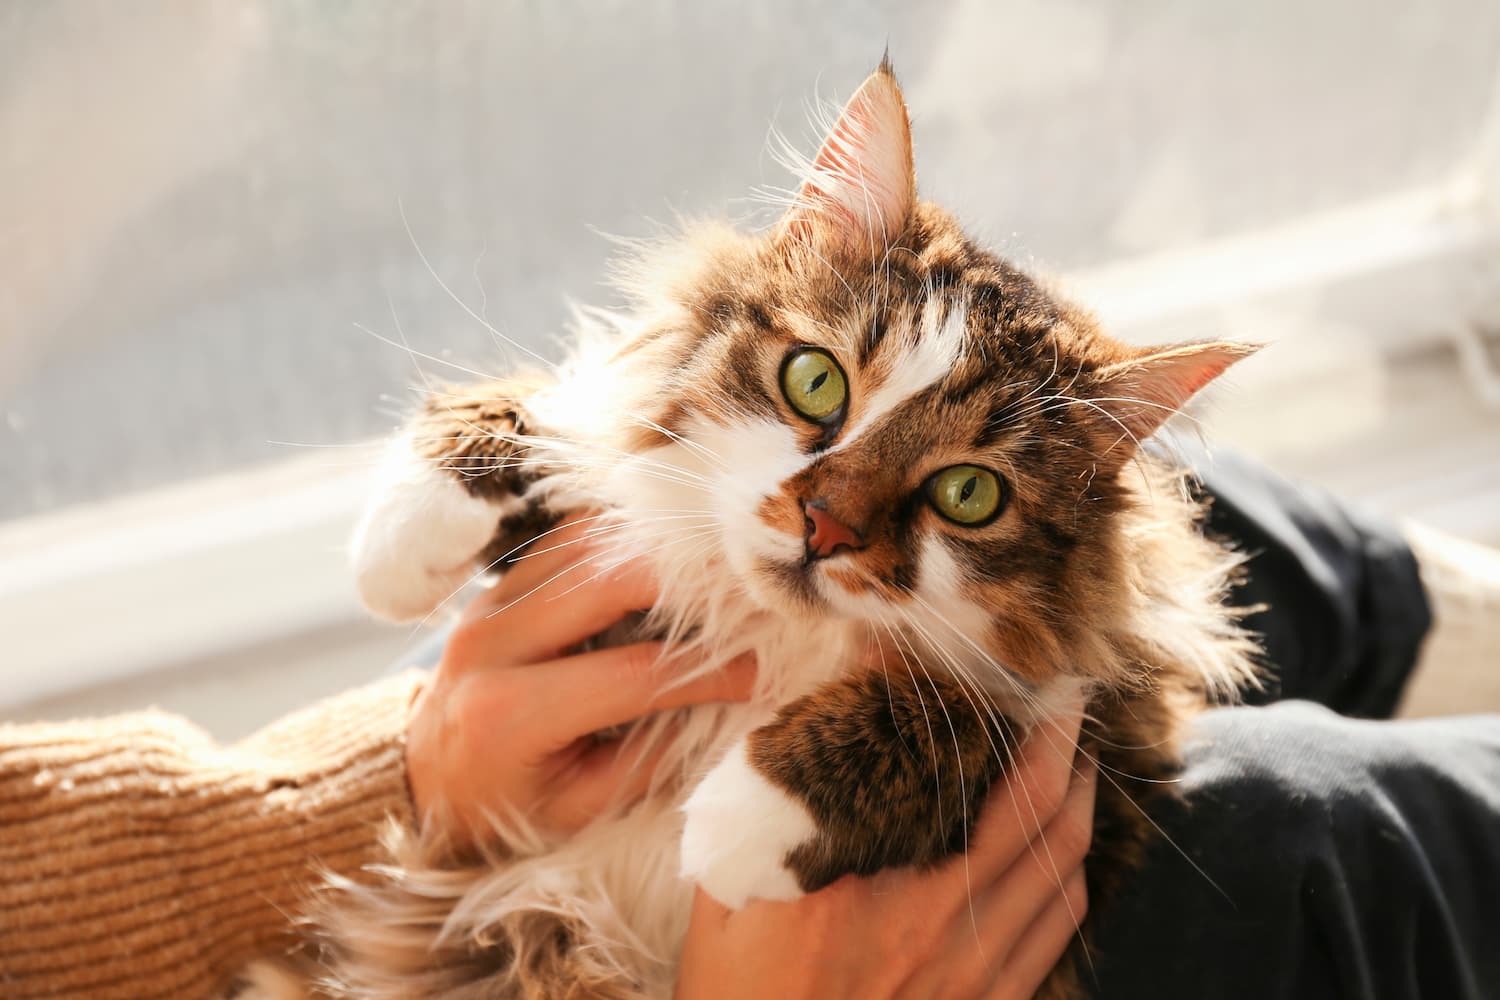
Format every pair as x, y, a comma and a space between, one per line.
894, 679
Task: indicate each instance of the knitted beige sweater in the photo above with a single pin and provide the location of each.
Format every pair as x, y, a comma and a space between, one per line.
138, 859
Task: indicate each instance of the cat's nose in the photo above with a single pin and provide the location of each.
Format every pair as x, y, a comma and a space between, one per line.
826, 534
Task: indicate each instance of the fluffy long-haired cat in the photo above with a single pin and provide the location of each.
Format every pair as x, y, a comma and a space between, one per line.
856, 431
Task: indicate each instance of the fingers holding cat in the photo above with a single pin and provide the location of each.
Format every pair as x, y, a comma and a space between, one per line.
1030, 799
991, 924
1008, 910
509, 723
553, 597
1038, 905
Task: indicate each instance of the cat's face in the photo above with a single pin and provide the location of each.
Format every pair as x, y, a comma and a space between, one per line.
907, 429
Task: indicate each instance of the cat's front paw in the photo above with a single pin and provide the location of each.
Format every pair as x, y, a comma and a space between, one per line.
415, 545
740, 831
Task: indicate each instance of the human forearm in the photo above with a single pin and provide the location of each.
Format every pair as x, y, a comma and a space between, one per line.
139, 859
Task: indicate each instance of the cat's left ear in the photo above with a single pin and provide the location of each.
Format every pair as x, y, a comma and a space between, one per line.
860, 189
1142, 392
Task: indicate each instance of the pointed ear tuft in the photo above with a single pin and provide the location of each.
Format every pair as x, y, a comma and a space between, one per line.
860, 188
1142, 392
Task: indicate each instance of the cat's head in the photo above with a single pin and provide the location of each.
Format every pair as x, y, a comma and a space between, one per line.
890, 423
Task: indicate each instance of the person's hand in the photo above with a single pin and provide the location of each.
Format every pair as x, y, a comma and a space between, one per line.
509, 722
988, 925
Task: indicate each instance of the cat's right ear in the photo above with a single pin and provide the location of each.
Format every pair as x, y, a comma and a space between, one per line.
859, 190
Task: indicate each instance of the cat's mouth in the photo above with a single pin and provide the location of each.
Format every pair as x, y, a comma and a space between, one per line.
794, 579
831, 587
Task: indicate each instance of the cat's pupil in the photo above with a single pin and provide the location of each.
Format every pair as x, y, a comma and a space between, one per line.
817, 382
968, 489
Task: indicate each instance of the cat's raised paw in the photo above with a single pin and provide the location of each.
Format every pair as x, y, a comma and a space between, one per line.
417, 540
740, 830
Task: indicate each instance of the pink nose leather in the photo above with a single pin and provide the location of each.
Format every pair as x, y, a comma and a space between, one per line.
827, 533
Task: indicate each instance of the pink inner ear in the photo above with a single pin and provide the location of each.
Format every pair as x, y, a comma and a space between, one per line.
1144, 392
1179, 381
839, 158
860, 187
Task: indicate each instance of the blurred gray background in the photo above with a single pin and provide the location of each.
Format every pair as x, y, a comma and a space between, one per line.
199, 200
201, 203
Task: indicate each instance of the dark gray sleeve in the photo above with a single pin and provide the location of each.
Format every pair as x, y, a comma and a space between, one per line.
1345, 609
1320, 857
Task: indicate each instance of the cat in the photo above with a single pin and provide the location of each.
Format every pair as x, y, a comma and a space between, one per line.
856, 431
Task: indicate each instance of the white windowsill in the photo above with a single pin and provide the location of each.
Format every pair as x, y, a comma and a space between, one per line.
103, 592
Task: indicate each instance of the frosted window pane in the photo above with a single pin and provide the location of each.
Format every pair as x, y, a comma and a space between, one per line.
199, 201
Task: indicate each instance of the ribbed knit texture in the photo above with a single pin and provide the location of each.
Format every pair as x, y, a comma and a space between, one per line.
138, 859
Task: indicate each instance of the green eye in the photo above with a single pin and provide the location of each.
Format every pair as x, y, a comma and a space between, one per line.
814, 385
966, 494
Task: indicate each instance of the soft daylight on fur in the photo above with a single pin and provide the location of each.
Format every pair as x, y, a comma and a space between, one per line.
902, 473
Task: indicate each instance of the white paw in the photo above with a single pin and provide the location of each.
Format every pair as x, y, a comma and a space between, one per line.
415, 544
740, 829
